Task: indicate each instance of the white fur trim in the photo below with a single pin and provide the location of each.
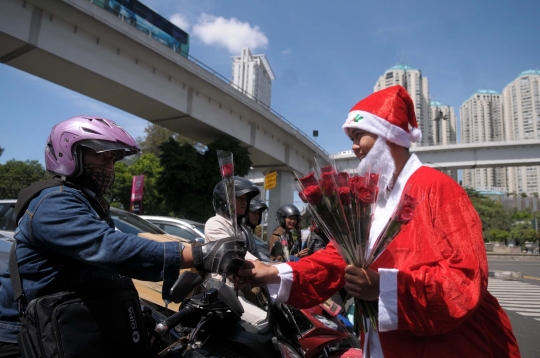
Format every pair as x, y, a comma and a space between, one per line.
388, 299
415, 135
378, 126
280, 292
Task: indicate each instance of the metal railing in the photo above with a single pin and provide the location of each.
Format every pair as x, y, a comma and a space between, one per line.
254, 99
215, 74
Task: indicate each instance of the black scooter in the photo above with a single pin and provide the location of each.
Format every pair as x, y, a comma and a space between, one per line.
208, 325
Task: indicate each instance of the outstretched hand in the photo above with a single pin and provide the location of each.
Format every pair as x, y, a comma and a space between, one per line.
256, 274
362, 283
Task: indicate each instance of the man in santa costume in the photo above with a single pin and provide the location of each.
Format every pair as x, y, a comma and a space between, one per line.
431, 281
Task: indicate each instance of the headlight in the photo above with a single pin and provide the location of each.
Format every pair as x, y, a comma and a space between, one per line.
326, 322
287, 351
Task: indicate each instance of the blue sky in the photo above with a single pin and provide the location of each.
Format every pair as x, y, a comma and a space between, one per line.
326, 56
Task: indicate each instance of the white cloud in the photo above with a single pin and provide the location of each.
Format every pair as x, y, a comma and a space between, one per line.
232, 34
286, 52
180, 21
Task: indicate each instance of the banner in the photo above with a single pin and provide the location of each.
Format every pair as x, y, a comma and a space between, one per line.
137, 190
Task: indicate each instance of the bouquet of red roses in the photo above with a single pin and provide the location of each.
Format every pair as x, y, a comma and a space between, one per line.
343, 206
226, 167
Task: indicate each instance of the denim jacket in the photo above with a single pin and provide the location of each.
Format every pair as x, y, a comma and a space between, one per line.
66, 240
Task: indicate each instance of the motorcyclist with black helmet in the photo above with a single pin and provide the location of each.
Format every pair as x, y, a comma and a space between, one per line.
66, 239
220, 226
288, 217
254, 217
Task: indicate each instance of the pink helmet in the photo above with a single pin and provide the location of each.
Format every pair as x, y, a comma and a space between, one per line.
62, 154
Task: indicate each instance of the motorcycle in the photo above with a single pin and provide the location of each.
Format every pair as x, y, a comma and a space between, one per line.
208, 325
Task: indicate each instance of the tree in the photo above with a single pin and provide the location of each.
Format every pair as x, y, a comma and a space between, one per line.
492, 214
523, 195
189, 177
120, 194
1, 151
181, 182
16, 175
156, 136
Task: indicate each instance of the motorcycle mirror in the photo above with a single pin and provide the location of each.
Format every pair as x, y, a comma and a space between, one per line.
184, 285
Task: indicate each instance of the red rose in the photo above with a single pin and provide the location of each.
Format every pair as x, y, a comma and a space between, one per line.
406, 214
373, 179
328, 187
344, 195
356, 182
302, 196
227, 170
308, 180
406, 209
313, 194
367, 194
328, 175
327, 169
343, 179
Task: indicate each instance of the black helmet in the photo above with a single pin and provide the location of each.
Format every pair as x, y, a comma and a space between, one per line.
241, 186
286, 210
256, 204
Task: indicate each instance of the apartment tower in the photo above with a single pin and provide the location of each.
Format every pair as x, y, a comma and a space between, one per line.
444, 126
482, 121
418, 88
522, 121
252, 75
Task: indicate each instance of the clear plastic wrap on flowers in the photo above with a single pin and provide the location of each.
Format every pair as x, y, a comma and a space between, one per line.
343, 205
226, 168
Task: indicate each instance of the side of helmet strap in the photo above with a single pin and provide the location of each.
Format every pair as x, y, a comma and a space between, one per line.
78, 158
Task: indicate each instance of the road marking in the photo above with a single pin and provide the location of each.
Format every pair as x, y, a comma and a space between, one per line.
516, 296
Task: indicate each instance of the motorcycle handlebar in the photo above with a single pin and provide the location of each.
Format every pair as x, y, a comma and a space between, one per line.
175, 319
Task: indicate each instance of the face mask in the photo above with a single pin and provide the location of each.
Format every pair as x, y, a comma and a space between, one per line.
98, 178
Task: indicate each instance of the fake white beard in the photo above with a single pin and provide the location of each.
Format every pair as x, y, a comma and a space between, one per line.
380, 161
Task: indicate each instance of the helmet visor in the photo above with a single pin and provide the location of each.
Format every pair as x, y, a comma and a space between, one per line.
122, 152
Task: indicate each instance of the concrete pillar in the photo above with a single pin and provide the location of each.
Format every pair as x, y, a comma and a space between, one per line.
282, 194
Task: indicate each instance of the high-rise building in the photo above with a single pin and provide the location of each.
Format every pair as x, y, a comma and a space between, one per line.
253, 75
418, 88
444, 124
522, 121
482, 121
444, 129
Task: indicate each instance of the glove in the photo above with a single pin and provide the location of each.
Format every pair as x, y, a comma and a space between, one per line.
222, 256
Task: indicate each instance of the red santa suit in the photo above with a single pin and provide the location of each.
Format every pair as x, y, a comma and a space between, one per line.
433, 298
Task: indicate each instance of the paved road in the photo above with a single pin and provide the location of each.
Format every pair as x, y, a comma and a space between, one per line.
521, 301
529, 269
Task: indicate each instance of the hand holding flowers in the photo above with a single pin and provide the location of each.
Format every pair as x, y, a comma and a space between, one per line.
344, 208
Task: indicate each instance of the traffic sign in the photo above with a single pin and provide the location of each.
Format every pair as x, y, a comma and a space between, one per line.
270, 181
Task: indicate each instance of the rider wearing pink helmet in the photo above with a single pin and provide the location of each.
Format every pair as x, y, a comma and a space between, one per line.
66, 239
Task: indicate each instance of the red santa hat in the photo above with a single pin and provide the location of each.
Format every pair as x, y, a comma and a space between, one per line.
386, 113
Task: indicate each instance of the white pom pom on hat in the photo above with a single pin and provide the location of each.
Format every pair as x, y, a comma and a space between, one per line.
387, 113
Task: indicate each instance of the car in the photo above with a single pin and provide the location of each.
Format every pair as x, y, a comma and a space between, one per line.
189, 229
123, 220
7, 217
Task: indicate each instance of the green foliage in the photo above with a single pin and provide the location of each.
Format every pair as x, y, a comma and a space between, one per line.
523, 195
522, 232
189, 177
521, 215
156, 136
1, 151
16, 175
120, 194
494, 218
